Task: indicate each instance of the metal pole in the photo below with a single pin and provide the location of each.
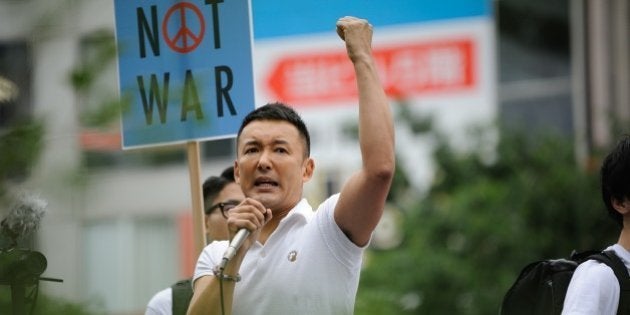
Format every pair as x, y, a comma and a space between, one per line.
18, 292
579, 91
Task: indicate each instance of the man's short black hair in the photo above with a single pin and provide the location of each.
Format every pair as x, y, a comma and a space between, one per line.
214, 185
615, 177
279, 111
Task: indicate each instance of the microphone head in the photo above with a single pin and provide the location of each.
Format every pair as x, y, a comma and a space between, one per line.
23, 217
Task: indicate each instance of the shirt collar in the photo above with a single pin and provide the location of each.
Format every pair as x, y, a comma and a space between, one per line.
302, 210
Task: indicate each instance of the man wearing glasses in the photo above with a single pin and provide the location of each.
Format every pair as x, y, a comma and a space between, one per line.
220, 194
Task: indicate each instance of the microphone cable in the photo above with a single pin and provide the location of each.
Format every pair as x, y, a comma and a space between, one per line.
221, 292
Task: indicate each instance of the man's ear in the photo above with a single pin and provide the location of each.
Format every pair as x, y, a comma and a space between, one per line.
236, 173
206, 221
622, 206
308, 168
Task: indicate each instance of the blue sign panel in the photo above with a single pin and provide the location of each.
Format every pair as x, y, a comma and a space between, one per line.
185, 69
279, 18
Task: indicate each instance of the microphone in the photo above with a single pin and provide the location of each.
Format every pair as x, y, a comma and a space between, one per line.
235, 244
23, 217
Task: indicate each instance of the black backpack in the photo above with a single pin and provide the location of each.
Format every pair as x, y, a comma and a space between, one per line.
181, 295
542, 285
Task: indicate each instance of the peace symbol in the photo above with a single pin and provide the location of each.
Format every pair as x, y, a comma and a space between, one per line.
184, 40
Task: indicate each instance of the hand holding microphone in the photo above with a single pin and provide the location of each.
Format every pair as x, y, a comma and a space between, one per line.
248, 216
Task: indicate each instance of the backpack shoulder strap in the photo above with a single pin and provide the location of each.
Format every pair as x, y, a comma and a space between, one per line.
181, 295
611, 259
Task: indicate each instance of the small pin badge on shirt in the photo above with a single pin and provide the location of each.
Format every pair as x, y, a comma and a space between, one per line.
292, 256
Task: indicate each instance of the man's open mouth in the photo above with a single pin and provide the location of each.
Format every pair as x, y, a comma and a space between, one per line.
265, 182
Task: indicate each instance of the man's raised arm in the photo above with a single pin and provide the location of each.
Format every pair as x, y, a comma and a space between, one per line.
362, 198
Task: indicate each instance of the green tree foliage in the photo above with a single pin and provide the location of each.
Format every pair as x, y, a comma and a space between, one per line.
43, 305
20, 147
481, 223
21, 144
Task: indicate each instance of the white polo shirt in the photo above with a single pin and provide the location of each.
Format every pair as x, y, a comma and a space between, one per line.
161, 303
307, 266
594, 288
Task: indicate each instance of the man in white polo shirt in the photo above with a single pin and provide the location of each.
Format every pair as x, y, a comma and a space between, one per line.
296, 260
594, 289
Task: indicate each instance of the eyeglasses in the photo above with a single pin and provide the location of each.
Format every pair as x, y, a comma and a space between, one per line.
223, 206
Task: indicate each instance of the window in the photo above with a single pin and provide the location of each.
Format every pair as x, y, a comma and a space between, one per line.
15, 82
